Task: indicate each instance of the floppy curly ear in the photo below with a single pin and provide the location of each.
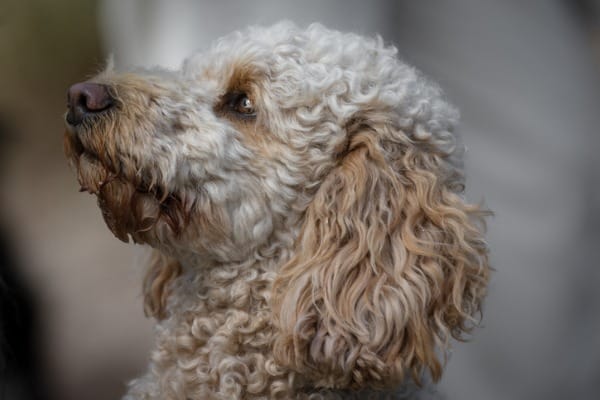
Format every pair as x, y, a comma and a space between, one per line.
161, 272
390, 263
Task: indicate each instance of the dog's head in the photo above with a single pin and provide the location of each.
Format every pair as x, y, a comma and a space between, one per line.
314, 143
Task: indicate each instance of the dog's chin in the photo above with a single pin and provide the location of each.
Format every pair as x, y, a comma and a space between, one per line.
130, 209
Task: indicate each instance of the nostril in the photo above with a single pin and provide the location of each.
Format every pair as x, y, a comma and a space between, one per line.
82, 100
87, 98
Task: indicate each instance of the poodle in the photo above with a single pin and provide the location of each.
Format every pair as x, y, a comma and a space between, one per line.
302, 194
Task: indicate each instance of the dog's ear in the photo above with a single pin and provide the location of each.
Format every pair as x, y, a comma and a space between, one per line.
161, 272
390, 264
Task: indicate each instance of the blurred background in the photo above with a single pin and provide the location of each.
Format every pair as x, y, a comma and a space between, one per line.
525, 76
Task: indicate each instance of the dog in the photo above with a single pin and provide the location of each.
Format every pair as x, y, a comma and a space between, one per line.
302, 193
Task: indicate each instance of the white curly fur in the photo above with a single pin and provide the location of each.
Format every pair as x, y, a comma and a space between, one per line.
234, 205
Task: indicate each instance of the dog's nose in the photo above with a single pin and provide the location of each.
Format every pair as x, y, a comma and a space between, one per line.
85, 99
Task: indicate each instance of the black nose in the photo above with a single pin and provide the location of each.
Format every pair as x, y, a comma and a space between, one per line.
85, 99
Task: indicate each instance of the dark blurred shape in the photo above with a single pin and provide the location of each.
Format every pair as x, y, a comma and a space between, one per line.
20, 372
587, 10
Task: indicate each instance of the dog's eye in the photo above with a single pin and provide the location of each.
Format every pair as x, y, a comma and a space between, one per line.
243, 105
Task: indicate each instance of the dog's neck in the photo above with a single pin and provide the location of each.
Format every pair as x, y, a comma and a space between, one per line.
219, 316
242, 285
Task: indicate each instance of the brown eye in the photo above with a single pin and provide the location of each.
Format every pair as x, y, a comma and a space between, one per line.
243, 105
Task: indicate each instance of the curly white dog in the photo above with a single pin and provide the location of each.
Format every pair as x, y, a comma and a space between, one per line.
302, 192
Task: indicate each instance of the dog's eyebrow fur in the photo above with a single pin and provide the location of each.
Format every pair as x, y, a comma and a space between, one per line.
244, 79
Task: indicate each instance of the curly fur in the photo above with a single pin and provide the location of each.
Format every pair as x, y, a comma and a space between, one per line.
321, 249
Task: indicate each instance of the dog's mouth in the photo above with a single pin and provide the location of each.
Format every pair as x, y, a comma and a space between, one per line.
92, 172
132, 205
